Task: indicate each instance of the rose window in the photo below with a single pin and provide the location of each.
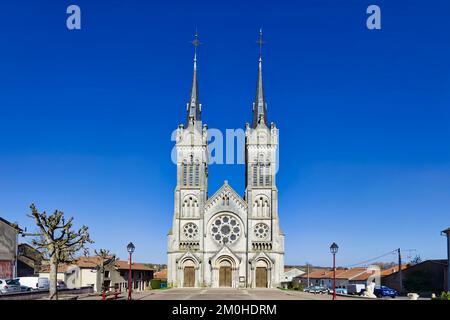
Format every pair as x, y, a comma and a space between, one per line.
225, 229
261, 230
190, 230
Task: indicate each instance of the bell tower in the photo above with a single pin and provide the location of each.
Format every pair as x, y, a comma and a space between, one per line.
192, 182
261, 194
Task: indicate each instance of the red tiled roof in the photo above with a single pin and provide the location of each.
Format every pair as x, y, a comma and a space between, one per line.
364, 276
392, 270
87, 262
123, 265
82, 262
45, 268
340, 273
318, 274
162, 275
350, 273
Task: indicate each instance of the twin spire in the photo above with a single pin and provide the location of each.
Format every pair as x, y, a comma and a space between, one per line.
194, 107
259, 104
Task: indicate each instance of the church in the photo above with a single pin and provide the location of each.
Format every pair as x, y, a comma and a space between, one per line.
226, 240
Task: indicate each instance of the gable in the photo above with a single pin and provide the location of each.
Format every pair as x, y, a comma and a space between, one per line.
225, 199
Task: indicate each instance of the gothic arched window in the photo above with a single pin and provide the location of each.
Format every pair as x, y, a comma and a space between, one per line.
189, 207
261, 207
268, 174
197, 173
261, 174
255, 173
184, 173
191, 174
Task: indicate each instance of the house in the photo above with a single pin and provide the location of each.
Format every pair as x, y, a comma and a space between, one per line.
116, 275
82, 272
44, 271
324, 277
8, 248
316, 277
429, 276
29, 260
161, 275
288, 275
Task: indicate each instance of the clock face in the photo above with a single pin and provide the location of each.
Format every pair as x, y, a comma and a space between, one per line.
190, 230
225, 229
261, 231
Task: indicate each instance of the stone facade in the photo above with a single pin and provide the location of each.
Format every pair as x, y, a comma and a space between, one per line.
8, 249
226, 240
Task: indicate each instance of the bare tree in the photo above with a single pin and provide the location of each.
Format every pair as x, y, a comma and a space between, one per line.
59, 242
416, 260
105, 259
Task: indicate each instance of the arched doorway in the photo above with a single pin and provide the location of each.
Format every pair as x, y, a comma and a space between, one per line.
261, 274
225, 274
189, 274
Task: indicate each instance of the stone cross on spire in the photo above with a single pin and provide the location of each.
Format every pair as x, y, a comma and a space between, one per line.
259, 105
260, 42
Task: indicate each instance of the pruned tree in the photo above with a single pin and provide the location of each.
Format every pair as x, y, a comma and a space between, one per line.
58, 241
416, 260
106, 258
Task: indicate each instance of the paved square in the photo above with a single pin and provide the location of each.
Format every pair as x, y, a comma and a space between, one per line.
229, 294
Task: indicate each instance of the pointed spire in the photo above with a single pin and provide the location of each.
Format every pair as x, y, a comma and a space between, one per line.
259, 105
194, 106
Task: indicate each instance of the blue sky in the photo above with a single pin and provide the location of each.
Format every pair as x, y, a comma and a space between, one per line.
86, 117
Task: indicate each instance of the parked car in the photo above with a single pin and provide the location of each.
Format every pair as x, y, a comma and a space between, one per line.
338, 291
384, 291
9, 286
306, 289
318, 289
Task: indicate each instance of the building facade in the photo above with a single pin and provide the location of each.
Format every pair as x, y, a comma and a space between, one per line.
226, 240
116, 275
8, 249
29, 260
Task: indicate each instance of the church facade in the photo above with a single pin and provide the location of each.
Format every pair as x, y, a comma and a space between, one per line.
226, 240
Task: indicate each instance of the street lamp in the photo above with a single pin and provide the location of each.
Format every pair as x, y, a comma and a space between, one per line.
334, 249
130, 249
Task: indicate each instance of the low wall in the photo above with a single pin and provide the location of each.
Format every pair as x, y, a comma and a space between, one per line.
34, 295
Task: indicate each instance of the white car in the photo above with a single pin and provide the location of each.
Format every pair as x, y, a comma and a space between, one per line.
9, 286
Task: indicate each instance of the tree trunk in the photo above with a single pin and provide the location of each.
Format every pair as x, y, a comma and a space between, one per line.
102, 273
53, 278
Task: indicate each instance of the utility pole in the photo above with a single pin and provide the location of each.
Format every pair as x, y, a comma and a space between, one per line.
400, 278
307, 265
447, 233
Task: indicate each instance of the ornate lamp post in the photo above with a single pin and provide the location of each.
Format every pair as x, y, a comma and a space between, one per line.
334, 249
130, 249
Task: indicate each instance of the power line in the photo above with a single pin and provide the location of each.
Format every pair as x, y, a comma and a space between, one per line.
395, 251
372, 259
